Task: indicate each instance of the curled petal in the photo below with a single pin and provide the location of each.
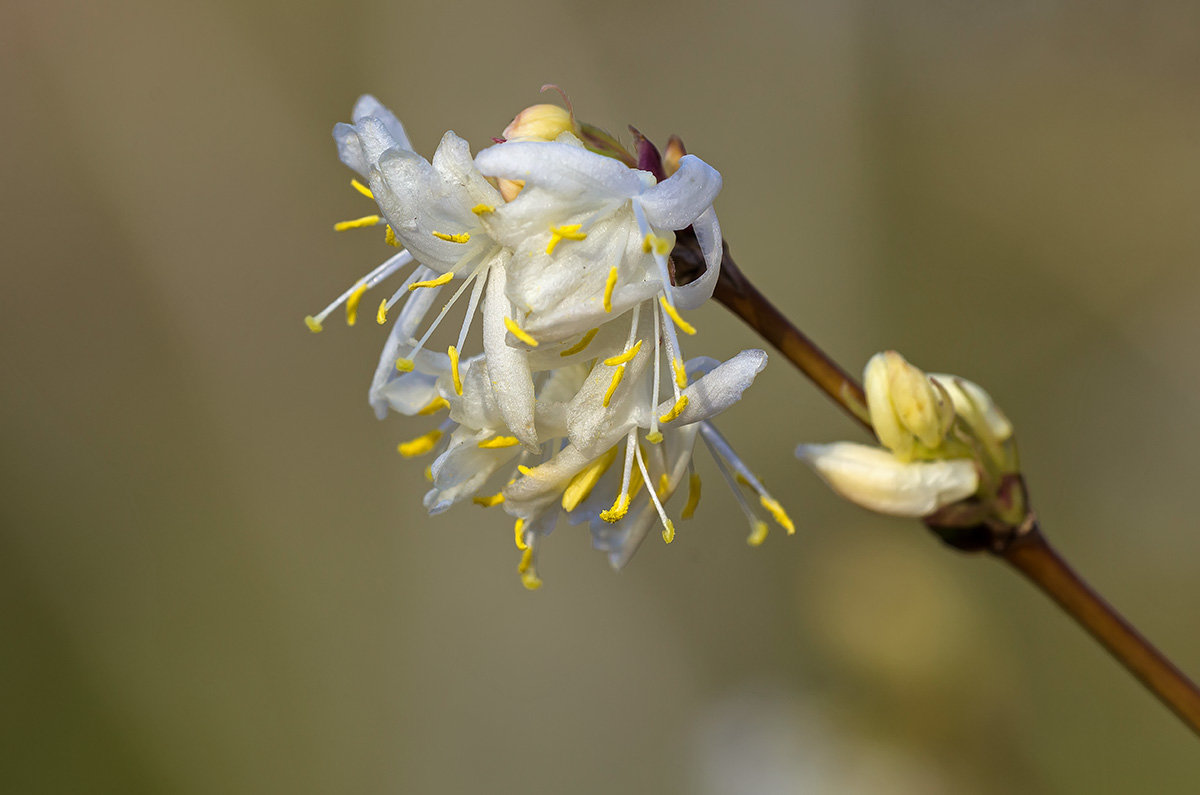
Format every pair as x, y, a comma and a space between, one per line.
708, 235
876, 480
561, 168
681, 198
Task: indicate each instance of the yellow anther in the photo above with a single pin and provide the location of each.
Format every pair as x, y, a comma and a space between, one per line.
435, 405
741, 479
617, 375
528, 574
621, 358
693, 498
429, 473
669, 531
461, 237
664, 485
524, 470
497, 442
654, 437
684, 326
452, 352
352, 304
361, 188
389, 237
520, 333
680, 373
488, 502
777, 513
438, 282
583, 343
313, 324
659, 245
758, 534
519, 534
618, 510
356, 223
404, 365
381, 314
610, 284
561, 233
421, 445
585, 480
483, 209
676, 410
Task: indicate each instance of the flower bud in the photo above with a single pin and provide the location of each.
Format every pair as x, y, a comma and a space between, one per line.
540, 123
905, 405
673, 154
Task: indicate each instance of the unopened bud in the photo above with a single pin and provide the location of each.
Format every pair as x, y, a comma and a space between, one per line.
541, 123
673, 154
906, 407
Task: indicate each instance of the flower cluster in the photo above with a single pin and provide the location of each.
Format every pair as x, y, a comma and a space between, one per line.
581, 403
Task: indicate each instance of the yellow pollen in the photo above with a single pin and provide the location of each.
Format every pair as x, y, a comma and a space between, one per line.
483, 209
654, 437
381, 314
621, 358
389, 237
610, 284
524, 470
617, 375
435, 405
488, 502
777, 513
497, 442
429, 473
583, 343
404, 365
528, 574
421, 445
357, 223
461, 237
664, 485
684, 326
361, 188
669, 531
659, 245
680, 373
585, 480
452, 352
689, 510
758, 534
438, 282
352, 304
313, 324
561, 233
520, 333
519, 535
676, 410
618, 509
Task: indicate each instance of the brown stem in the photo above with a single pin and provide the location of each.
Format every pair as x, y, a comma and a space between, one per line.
1025, 548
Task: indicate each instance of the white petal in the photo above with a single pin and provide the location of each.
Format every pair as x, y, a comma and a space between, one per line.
680, 199
720, 388
409, 393
510, 375
708, 234
875, 479
454, 165
465, 467
561, 168
367, 105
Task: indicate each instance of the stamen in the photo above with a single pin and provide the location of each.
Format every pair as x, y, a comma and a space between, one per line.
389, 237
352, 304
488, 502
404, 365
617, 375
381, 313
461, 237
313, 324
621, 506
621, 358
585, 480
583, 343
429, 473
658, 245
421, 445
438, 282
561, 233
525, 470
434, 406
684, 326
361, 188
452, 352
655, 436
528, 573
758, 534
693, 498
377, 275
668, 532
676, 410
357, 223
681, 379
498, 442
712, 441
519, 535
618, 510
777, 513
610, 284
483, 209
519, 333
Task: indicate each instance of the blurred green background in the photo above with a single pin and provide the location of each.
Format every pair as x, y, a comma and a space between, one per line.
215, 574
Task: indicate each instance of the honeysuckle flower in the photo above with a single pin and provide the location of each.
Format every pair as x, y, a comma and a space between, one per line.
944, 441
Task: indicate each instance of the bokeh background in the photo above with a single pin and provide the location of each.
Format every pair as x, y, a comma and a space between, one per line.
215, 574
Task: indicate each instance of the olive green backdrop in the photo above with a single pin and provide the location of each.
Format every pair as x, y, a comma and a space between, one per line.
215, 574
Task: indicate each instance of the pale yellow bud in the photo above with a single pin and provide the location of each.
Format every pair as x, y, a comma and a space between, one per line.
906, 407
541, 123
